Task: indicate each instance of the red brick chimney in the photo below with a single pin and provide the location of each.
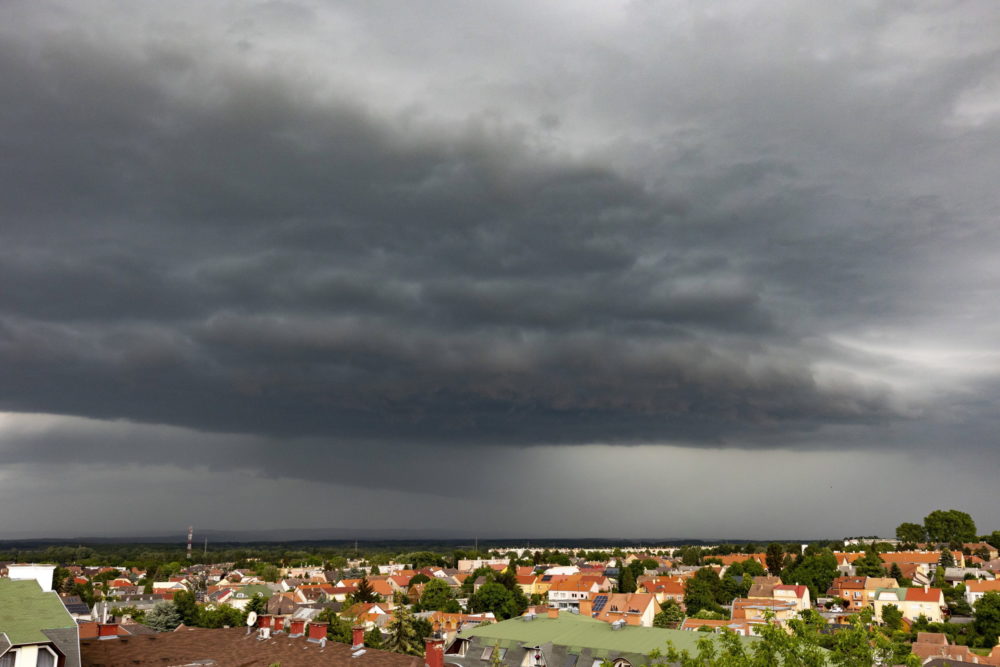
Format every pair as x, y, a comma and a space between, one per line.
586, 608
317, 631
434, 652
358, 637
279, 623
107, 631
553, 612
264, 621
297, 628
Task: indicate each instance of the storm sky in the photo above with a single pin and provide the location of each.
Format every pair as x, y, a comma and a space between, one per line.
534, 268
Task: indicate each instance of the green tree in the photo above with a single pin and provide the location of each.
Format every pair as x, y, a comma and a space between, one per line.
861, 645
775, 647
993, 538
670, 615
703, 591
911, 533
364, 592
947, 559
470, 581
68, 583
896, 573
870, 565
892, 617
950, 526
987, 617
257, 604
691, 556
816, 570
187, 607
752, 568
437, 596
220, 617
373, 638
626, 583
497, 598
402, 634
163, 617
775, 557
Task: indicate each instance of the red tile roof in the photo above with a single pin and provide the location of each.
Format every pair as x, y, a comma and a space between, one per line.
921, 595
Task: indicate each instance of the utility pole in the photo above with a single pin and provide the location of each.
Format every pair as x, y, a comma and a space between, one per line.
190, 535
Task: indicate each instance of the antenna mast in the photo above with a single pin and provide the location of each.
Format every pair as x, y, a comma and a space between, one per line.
190, 535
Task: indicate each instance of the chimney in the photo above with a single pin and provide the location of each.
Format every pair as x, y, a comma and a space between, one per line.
297, 628
264, 621
279, 623
358, 637
927, 588
317, 631
553, 612
107, 631
434, 652
586, 607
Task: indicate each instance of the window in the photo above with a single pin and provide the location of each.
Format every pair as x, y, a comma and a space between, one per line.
45, 658
487, 652
532, 657
7, 659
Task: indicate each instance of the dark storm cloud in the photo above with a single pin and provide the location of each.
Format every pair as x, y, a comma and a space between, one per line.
195, 239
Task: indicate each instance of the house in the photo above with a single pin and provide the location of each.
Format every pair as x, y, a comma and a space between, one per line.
451, 624
926, 561
369, 614
959, 574
845, 560
569, 592
35, 627
977, 589
912, 602
382, 587
744, 628
168, 586
560, 639
852, 590
526, 582
797, 594
282, 604
976, 547
930, 645
763, 587
757, 609
663, 588
732, 559
632, 608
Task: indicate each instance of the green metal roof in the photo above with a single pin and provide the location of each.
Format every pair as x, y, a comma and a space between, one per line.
25, 611
580, 631
254, 589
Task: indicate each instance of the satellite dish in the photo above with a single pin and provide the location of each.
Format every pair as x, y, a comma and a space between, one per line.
251, 618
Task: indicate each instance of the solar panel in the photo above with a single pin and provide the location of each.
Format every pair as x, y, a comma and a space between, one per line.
599, 602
